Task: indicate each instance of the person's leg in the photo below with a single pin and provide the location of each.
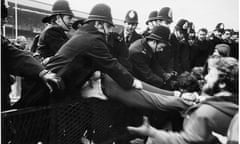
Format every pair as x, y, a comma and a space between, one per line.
154, 89
142, 98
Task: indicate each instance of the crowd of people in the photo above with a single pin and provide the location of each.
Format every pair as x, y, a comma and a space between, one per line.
189, 77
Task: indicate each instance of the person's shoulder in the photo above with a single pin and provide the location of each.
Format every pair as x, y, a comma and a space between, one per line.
137, 47
54, 29
206, 111
136, 44
137, 34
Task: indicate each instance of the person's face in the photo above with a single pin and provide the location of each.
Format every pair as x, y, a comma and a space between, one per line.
159, 46
163, 23
202, 35
130, 27
185, 26
218, 34
211, 80
108, 28
152, 24
65, 22
235, 38
179, 35
191, 35
226, 35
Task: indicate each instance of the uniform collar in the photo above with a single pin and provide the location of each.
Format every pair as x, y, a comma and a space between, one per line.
89, 28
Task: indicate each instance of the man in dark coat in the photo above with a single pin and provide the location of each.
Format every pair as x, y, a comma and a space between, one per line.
118, 48
130, 24
213, 114
17, 62
216, 38
163, 61
201, 49
54, 36
226, 38
20, 63
180, 46
141, 55
82, 55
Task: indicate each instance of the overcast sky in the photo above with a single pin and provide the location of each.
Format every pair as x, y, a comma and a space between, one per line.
204, 13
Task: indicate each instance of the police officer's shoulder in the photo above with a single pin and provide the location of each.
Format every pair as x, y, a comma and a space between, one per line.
53, 30
136, 46
137, 34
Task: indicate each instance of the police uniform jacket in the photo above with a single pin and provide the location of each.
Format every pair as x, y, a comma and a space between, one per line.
15, 62
118, 48
82, 55
140, 56
163, 62
132, 38
51, 40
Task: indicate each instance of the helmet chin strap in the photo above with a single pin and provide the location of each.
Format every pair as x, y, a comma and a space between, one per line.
156, 47
64, 23
105, 33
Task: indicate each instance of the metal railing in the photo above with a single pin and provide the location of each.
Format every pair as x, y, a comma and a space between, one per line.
65, 123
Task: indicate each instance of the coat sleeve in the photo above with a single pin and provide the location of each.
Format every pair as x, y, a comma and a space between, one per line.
104, 61
197, 129
143, 70
19, 62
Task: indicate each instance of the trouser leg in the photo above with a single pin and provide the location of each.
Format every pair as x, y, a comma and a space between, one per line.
142, 98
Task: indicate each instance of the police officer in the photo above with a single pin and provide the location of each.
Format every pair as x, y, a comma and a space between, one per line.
85, 53
165, 16
151, 22
20, 63
55, 35
17, 62
164, 61
130, 24
141, 55
118, 48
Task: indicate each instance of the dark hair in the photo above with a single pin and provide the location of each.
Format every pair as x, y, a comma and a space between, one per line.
228, 66
203, 29
187, 82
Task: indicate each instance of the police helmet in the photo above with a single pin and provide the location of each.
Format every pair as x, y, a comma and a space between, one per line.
131, 17
165, 14
59, 7
101, 12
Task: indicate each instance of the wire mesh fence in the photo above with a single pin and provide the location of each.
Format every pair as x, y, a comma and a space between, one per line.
85, 121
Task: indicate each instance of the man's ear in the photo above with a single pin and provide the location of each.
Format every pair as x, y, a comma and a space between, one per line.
58, 18
98, 25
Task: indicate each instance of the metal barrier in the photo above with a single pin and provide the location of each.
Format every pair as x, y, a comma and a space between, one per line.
68, 123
